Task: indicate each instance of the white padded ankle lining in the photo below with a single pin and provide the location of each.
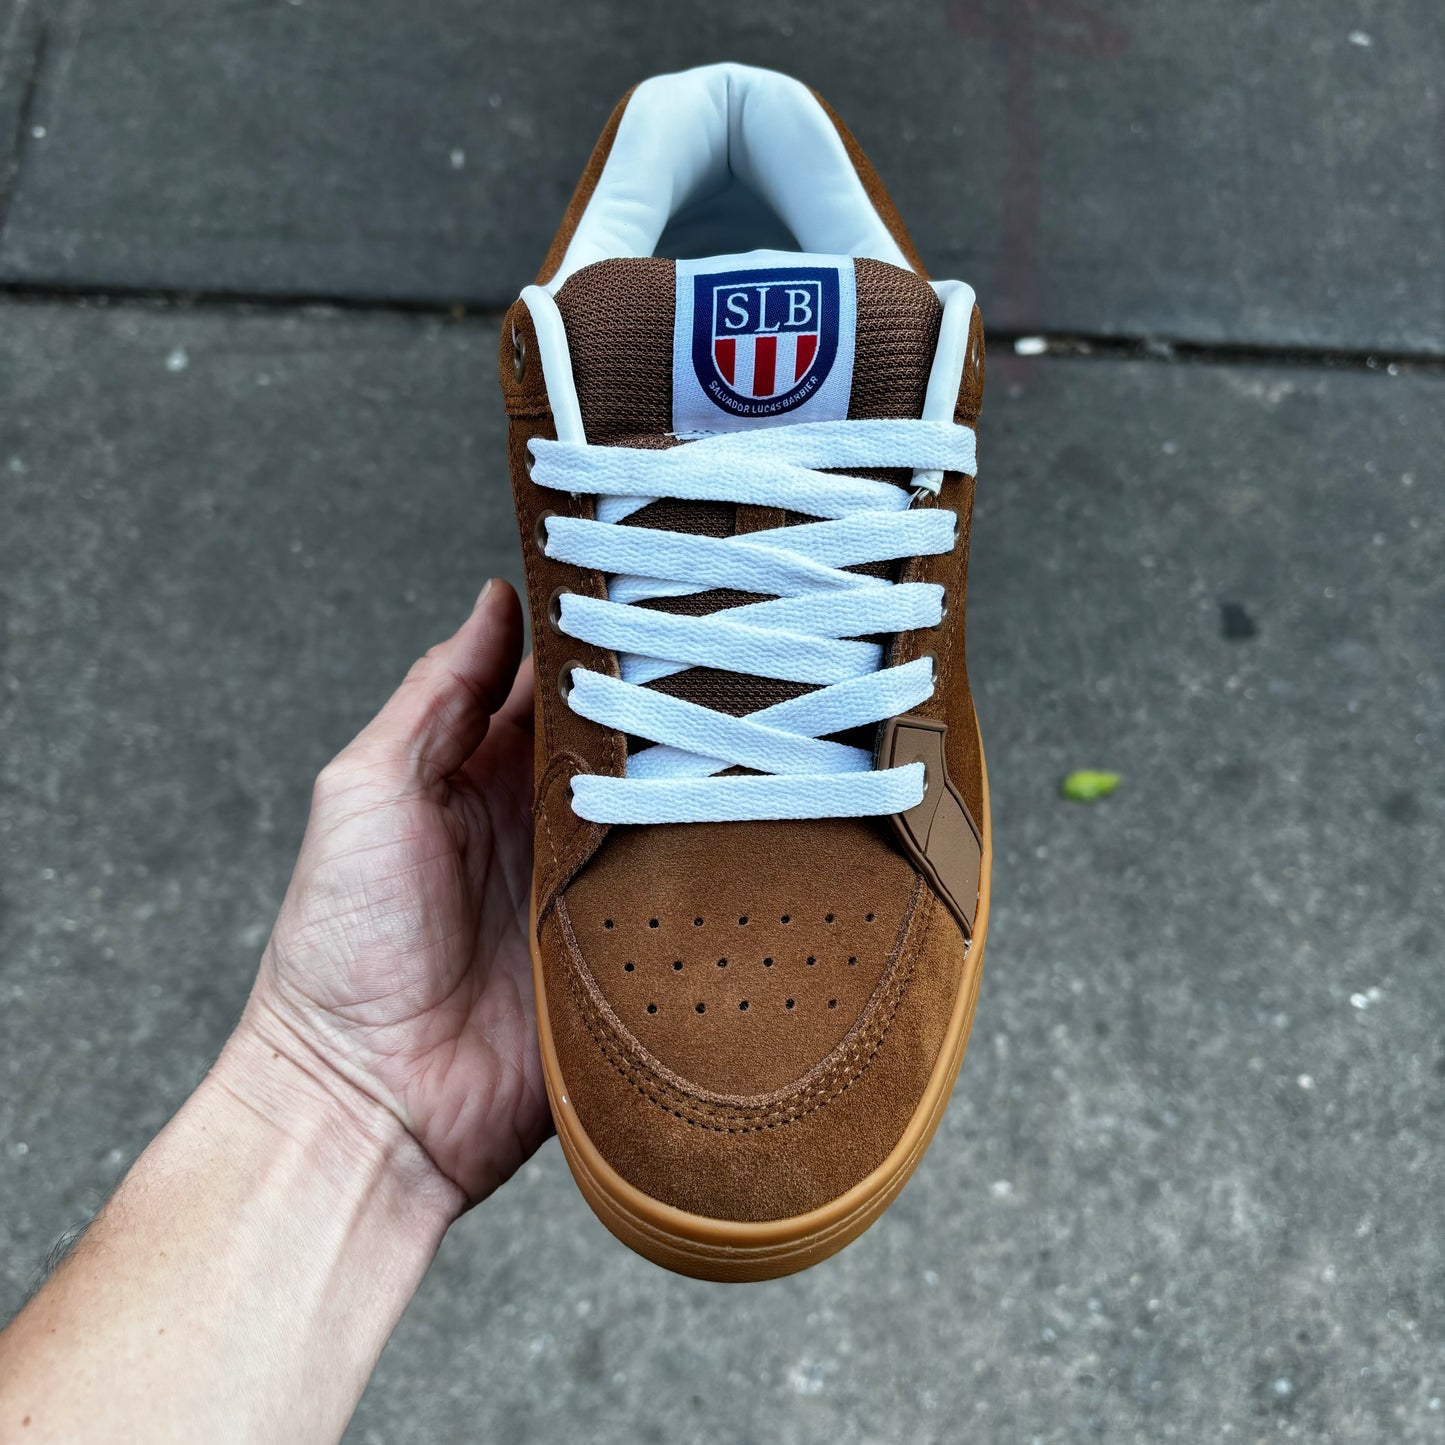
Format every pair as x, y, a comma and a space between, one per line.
683, 135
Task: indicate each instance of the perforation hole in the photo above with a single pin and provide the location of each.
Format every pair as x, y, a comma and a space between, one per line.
697, 923
811, 960
791, 1003
832, 1003
607, 923
767, 963
627, 967
868, 917
852, 963
827, 918
652, 922
652, 1008
700, 1007
743, 1005
677, 965
743, 921
722, 963
786, 918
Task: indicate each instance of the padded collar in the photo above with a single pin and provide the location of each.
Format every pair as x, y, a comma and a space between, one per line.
685, 136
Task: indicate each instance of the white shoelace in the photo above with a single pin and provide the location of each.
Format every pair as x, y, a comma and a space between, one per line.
805, 632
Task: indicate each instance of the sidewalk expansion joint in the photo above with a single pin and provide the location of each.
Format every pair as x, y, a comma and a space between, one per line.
1068, 346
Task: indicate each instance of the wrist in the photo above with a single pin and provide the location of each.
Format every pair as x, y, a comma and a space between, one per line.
245, 1276
355, 1145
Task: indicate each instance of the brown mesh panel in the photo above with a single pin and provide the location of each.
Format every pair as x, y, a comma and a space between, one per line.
700, 604
668, 514
898, 321
729, 692
619, 320
618, 316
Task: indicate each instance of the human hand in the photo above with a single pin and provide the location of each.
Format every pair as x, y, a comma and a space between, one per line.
383, 1076
398, 972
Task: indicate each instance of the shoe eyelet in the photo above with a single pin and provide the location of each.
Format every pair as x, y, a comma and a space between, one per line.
519, 354
554, 608
564, 679
540, 532
932, 660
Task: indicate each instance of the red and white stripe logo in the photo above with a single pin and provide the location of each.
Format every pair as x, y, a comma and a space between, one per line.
762, 339
763, 366
765, 332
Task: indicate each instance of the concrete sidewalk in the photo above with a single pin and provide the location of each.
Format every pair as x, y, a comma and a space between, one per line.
1266, 172
1188, 1185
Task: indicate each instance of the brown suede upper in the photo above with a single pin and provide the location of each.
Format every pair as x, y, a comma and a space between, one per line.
745, 1014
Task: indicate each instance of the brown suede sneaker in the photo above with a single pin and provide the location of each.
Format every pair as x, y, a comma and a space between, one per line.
744, 484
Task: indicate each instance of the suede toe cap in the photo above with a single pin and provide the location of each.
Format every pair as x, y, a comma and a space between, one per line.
766, 1153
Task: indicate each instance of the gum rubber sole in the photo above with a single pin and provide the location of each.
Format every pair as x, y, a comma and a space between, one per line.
737, 1250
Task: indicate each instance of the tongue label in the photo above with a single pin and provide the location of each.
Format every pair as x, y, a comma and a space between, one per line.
762, 338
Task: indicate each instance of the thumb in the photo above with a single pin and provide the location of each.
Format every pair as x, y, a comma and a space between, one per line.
439, 715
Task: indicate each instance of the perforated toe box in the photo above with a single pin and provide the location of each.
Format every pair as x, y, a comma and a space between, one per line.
748, 1044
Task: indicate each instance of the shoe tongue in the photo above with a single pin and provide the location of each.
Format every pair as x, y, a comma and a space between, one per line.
734, 342
675, 348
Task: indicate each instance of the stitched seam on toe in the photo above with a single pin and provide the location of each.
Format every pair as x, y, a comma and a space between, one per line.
849, 1062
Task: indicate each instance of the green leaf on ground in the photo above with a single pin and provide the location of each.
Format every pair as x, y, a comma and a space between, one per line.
1087, 785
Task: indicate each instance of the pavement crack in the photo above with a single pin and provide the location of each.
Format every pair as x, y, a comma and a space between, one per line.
1182, 351
14, 153
1014, 346
47, 293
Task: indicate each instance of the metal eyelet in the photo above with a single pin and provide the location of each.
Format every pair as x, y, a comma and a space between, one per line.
554, 608
540, 533
564, 679
519, 354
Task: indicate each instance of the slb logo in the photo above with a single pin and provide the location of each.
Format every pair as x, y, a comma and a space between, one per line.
764, 341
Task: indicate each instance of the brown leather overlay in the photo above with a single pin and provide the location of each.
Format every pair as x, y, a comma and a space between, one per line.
940, 833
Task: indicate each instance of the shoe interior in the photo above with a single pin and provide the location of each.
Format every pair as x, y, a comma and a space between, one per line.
727, 158
729, 221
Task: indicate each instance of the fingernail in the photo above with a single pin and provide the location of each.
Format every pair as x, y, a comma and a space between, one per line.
482, 595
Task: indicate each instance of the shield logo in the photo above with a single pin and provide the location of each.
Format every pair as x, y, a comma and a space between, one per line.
764, 340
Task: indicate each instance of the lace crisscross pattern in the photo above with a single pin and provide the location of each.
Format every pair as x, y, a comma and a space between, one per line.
810, 626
